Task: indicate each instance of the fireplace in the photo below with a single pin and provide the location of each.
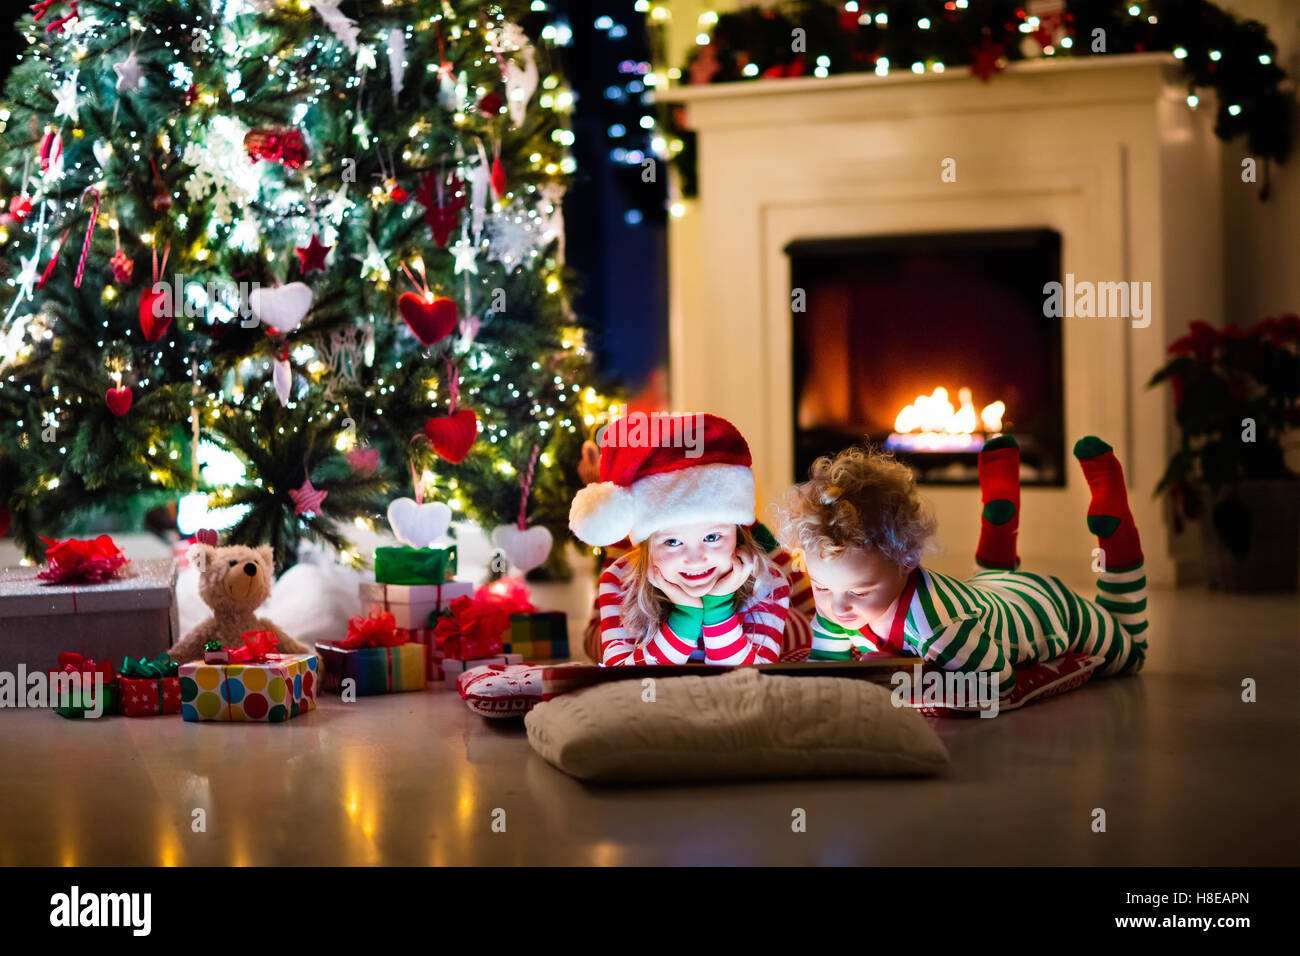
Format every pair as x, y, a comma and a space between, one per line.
927, 344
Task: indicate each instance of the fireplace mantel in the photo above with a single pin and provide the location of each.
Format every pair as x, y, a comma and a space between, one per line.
1102, 149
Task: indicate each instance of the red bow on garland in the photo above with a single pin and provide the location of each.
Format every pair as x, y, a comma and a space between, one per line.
257, 644
75, 560
468, 630
73, 663
377, 630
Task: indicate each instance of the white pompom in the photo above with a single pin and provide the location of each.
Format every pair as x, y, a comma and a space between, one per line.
602, 514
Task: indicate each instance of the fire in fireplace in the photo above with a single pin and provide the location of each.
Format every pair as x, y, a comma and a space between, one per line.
900, 336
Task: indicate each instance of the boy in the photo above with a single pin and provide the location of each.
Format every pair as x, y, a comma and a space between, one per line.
862, 530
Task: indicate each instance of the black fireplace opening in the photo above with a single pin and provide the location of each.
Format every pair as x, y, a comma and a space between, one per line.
911, 341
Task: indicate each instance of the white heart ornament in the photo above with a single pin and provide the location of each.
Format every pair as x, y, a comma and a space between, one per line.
102, 152
418, 525
282, 379
282, 308
526, 548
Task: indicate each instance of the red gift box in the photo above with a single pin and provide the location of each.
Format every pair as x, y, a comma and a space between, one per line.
148, 697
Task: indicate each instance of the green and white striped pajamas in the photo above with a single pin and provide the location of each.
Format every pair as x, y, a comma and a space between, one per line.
1000, 620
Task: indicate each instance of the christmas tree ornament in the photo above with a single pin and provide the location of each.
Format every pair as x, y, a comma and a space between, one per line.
466, 254
311, 258
56, 24
520, 81
340, 25
281, 308
103, 151
279, 145
51, 152
418, 525
469, 327
478, 193
129, 73
432, 318
526, 548
452, 435
156, 306
282, 377
306, 499
396, 59
490, 104
395, 191
162, 197
65, 97
986, 59
498, 178
90, 231
118, 400
121, 266
363, 461
443, 197
20, 207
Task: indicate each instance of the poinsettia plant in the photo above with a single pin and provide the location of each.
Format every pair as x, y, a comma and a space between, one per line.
1235, 394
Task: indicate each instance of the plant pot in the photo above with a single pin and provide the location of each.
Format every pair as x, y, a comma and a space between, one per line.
1250, 536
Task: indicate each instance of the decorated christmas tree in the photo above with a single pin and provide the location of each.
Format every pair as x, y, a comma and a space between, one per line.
293, 258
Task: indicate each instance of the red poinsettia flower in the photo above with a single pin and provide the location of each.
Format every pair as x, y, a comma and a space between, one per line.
1199, 340
73, 560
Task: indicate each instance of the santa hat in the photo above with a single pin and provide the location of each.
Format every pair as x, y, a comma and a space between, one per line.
664, 470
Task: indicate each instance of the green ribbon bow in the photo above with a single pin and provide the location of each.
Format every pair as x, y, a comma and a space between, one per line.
144, 669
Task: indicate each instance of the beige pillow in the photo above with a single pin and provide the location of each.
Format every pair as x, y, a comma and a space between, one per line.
735, 725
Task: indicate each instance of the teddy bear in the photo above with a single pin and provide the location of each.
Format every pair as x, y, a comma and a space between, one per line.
234, 581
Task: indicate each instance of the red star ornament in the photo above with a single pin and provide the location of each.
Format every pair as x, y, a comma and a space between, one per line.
312, 256
306, 499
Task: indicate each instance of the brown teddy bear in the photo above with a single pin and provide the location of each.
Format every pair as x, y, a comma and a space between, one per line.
234, 581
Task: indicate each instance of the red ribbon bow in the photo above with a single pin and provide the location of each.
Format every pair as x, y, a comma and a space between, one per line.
73, 560
73, 663
257, 644
469, 630
377, 630
278, 145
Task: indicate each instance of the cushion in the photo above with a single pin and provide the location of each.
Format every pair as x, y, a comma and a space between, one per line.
501, 690
742, 724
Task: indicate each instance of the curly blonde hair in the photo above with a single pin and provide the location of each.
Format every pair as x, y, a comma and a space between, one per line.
645, 607
862, 497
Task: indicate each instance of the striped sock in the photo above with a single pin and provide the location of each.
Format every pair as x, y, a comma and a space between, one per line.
1109, 517
999, 471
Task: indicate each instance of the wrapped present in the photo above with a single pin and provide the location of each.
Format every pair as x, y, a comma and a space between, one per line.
375, 655
539, 636
149, 687
405, 565
413, 604
82, 687
433, 655
131, 612
469, 630
275, 689
453, 668
257, 645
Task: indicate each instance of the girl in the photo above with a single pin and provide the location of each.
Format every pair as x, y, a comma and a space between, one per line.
861, 528
697, 583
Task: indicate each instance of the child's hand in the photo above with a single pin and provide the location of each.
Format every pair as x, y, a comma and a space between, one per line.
673, 592
741, 568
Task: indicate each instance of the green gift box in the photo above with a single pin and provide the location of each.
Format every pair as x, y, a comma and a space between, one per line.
415, 565
79, 704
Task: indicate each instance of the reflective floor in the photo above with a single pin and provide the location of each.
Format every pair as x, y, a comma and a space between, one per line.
1186, 772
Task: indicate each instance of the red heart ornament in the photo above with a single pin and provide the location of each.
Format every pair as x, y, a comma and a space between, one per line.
155, 316
442, 220
453, 435
119, 400
430, 321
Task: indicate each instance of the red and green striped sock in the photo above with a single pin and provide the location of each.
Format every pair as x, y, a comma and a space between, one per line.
1109, 517
999, 470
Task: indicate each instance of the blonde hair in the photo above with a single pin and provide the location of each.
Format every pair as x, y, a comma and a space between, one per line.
861, 498
645, 607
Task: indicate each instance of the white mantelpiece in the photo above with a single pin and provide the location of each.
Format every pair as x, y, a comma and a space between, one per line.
1103, 149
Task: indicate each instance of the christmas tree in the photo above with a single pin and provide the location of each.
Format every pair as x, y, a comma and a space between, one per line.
321, 245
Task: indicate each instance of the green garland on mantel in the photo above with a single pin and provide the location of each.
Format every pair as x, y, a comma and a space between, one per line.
1217, 50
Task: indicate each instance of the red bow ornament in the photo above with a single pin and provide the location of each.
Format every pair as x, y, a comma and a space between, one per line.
278, 145
468, 630
73, 560
377, 630
73, 663
257, 645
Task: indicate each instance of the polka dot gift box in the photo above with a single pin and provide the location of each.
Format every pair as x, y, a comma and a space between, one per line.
273, 690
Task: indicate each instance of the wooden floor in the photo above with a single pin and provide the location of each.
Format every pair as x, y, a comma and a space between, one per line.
1187, 773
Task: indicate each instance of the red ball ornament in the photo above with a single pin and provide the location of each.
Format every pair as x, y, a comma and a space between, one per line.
19, 207
491, 103
122, 266
118, 400
432, 320
498, 178
155, 312
452, 436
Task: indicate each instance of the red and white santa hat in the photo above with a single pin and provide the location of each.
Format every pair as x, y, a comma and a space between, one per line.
657, 471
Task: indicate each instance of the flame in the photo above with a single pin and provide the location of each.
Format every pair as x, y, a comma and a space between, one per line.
935, 414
